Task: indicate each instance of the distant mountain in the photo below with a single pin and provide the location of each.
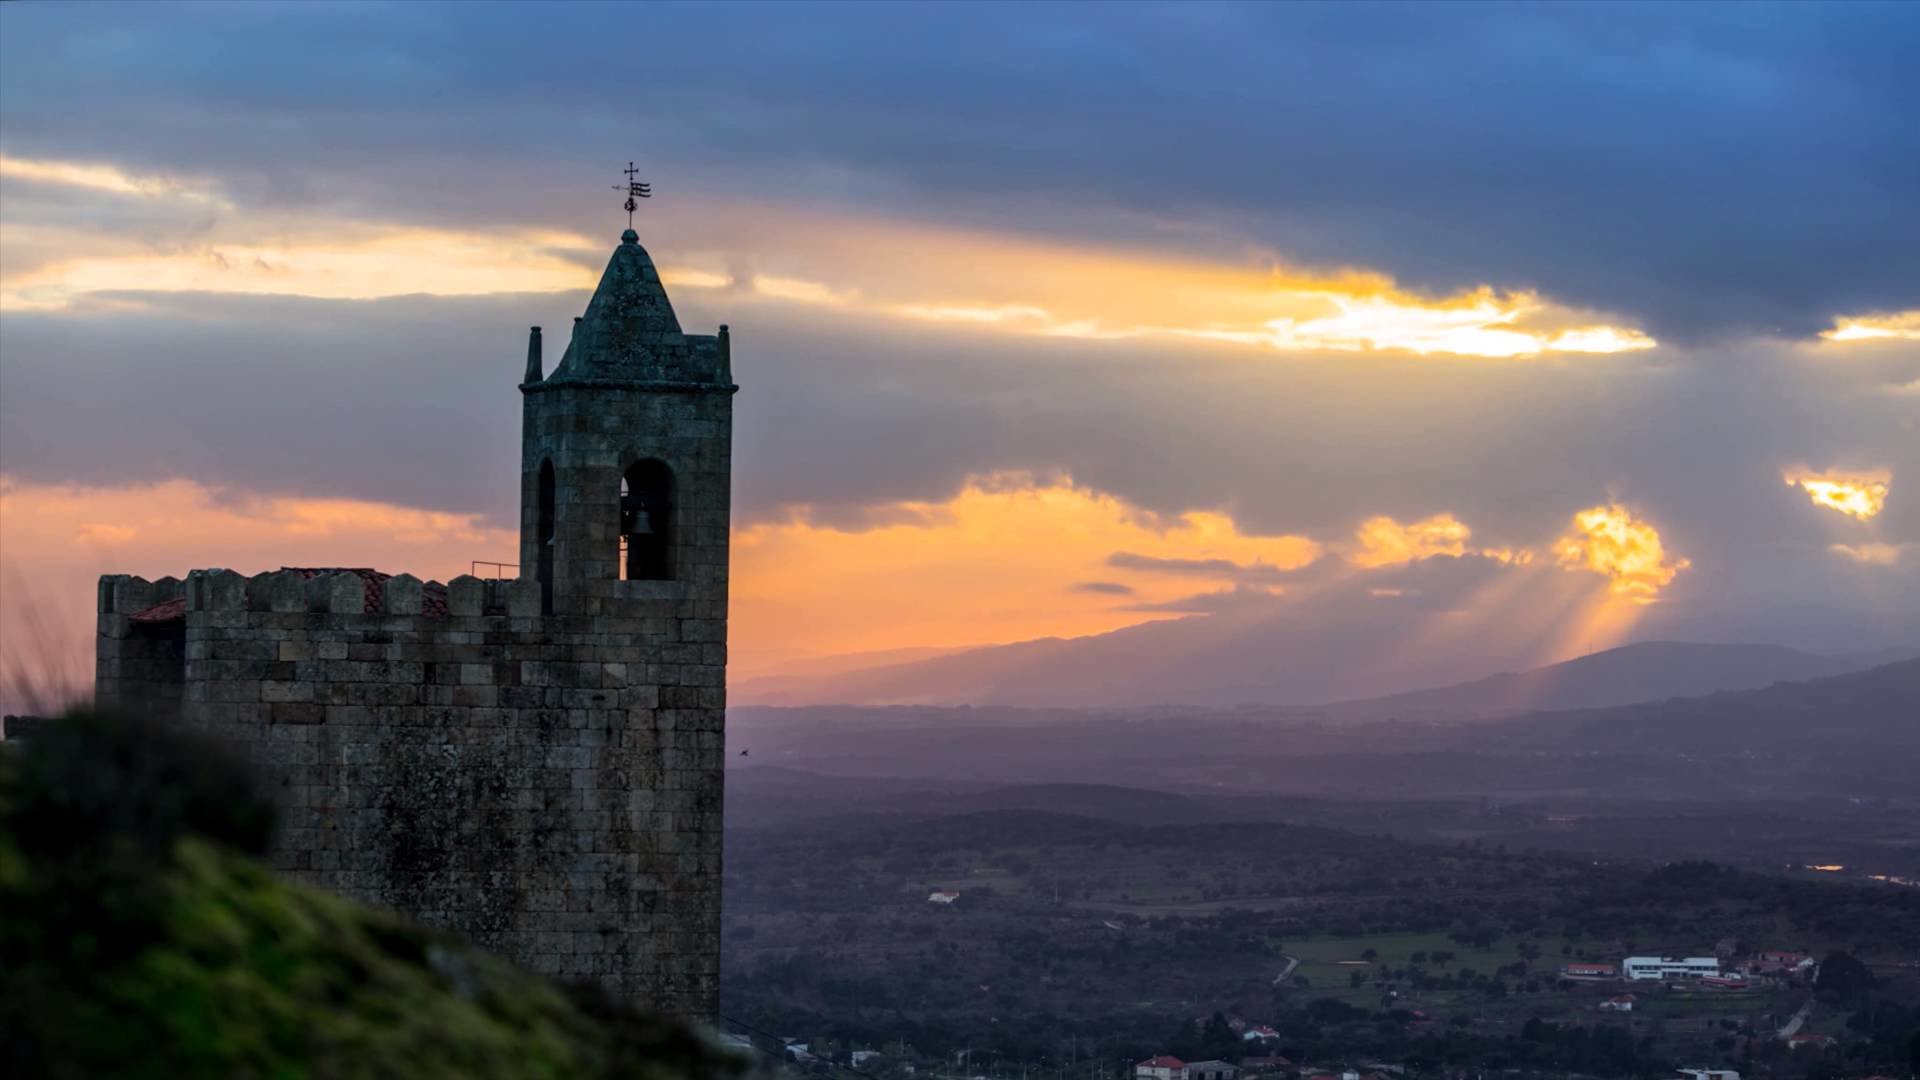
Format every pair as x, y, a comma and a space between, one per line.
1879, 707
1266, 659
1650, 671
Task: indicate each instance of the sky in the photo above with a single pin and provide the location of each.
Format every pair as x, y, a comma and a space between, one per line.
1520, 330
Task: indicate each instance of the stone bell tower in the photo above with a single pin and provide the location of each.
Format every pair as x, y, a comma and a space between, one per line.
626, 454
537, 763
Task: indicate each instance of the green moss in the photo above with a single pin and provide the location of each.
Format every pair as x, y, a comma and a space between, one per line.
117, 959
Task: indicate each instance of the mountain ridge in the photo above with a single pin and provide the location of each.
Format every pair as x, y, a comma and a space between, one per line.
1219, 661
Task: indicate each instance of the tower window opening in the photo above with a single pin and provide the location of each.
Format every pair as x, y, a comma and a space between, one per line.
543, 533
646, 522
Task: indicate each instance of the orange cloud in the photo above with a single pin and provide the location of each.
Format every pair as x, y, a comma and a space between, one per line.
1857, 494
1382, 541
108, 178
1610, 540
1386, 542
992, 282
996, 562
1895, 325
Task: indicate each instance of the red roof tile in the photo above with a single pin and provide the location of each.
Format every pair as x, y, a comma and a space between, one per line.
165, 611
433, 595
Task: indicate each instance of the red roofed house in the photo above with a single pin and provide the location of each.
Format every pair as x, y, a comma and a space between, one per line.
1589, 971
1623, 1003
1259, 1034
1774, 960
1161, 1068
1806, 1039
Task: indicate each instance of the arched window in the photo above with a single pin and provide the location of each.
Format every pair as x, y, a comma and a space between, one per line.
646, 522
543, 535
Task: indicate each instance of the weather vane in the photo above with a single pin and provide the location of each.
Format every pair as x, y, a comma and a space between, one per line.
635, 190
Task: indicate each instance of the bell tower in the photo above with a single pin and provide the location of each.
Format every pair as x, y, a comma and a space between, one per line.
626, 454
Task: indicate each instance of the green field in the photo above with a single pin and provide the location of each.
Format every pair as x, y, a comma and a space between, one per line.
1320, 957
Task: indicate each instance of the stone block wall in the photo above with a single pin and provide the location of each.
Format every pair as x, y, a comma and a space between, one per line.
546, 786
139, 667
590, 434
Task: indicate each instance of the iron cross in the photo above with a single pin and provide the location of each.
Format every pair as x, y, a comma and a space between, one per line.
635, 190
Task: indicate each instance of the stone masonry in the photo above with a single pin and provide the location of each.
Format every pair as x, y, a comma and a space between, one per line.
534, 763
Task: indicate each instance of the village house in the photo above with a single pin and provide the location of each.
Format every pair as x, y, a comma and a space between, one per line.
942, 897
1212, 1070
1579, 970
1780, 962
1163, 1067
1260, 1033
1623, 1003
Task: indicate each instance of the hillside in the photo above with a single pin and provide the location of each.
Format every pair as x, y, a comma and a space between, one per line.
1649, 671
1359, 663
1876, 708
139, 938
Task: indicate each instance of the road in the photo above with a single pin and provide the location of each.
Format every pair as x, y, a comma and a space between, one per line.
1292, 963
1793, 1026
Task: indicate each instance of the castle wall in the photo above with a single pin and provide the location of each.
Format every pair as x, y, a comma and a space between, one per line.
549, 787
139, 667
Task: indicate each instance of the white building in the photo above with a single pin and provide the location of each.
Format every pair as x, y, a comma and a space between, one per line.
1667, 967
942, 897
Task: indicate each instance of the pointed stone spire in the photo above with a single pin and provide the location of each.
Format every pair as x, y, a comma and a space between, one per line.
533, 356
629, 330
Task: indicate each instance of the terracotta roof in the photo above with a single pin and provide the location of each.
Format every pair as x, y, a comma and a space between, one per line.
165, 611
433, 595
1162, 1062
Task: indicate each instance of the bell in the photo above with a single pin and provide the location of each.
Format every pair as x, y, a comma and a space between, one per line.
635, 518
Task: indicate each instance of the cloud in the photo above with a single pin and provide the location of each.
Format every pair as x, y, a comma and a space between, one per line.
1086, 291
1872, 554
1214, 568
1005, 558
1610, 540
1617, 179
1384, 542
1897, 325
1857, 494
1237, 598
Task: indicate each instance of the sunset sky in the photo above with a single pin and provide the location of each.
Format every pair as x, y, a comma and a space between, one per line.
1522, 329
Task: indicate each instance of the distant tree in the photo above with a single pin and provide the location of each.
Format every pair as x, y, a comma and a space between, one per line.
1370, 954
1843, 978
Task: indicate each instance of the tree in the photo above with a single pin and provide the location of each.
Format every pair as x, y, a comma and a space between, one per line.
1843, 978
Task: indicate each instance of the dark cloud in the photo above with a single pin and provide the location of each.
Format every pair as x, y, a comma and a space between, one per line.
1237, 598
1103, 588
1715, 170
1227, 568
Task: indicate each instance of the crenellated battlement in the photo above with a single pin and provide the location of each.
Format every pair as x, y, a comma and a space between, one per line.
334, 592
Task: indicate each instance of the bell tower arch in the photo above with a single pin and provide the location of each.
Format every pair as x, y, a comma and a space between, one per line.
636, 425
